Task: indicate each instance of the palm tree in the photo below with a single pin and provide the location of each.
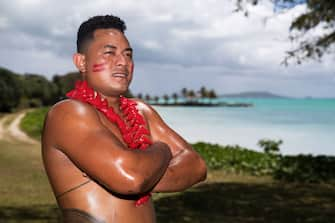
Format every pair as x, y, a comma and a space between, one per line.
140, 96
175, 97
156, 99
212, 94
166, 98
203, 92
184, 92
147, 97
190, 94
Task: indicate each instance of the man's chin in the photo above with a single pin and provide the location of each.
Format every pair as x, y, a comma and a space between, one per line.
118, 92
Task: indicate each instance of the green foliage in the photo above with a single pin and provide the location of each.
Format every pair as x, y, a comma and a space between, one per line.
235, 159
24, 91
189, 95
212, 94
306, 168
10, 90
38, 91
166, 98
65, 83
270, 146
238, 160
319, 13
175, 97
33, 121
32, 90
147, 97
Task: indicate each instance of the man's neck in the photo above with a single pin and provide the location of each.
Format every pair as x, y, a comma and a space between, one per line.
114, 102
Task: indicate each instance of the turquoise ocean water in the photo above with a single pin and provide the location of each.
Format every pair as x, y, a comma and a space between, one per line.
306, 126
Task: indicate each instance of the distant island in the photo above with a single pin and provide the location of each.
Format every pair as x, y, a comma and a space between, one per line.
253, 94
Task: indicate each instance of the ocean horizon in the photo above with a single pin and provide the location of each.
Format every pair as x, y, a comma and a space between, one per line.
306, 126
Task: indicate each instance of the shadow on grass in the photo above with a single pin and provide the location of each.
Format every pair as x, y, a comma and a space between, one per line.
221, 202
236, 202
34, 214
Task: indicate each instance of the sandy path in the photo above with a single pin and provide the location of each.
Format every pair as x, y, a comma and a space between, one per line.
12, 131
4, 135
2, 121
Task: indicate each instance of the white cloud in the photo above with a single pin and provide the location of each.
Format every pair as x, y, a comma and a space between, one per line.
186, 45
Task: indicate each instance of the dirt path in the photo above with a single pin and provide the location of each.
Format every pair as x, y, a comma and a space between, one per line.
10, 129
2, 120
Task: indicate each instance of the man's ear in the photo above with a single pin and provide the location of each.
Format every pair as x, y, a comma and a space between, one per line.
80, 62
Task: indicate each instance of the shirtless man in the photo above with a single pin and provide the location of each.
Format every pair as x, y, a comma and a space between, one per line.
98, 174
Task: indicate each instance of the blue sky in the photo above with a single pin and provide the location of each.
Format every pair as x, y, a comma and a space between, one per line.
283, 4
176, 44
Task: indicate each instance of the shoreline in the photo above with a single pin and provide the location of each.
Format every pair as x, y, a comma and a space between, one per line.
203, 104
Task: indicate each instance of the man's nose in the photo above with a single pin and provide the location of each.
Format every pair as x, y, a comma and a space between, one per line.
121, 60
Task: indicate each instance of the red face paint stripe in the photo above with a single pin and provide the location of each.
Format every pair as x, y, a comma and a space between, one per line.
98, 67
98, 64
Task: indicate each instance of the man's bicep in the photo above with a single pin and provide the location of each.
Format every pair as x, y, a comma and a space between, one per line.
160, 131
92, 152
89, 145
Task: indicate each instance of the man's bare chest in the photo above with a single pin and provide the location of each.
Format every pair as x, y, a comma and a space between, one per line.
112, 127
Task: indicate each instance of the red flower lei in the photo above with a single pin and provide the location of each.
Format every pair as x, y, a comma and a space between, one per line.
132, 127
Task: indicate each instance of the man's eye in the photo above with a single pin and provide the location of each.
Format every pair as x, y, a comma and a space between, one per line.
130, 55
109, 52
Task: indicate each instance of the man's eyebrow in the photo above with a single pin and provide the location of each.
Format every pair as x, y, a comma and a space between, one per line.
128, 49
114, 47
109, 46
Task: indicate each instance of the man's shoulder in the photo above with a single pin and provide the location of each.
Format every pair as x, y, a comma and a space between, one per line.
144, 107
71, 108
69, 118
148, 111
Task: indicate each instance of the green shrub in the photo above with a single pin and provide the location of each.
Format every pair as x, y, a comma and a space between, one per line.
270, 146
33, 121
235, 159
306, 168
238, 160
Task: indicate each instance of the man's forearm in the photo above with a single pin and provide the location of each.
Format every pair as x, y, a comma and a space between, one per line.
184, 170
151, 164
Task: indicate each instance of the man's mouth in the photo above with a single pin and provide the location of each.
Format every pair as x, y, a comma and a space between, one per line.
120, 75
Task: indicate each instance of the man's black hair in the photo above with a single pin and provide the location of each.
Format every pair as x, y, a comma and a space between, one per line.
87, 28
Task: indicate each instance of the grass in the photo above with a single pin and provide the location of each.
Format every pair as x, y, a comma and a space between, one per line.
33, 121
22, 175
26, 196
249, 202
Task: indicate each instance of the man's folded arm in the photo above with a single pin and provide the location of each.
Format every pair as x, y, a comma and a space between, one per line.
77, 131
186, 167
